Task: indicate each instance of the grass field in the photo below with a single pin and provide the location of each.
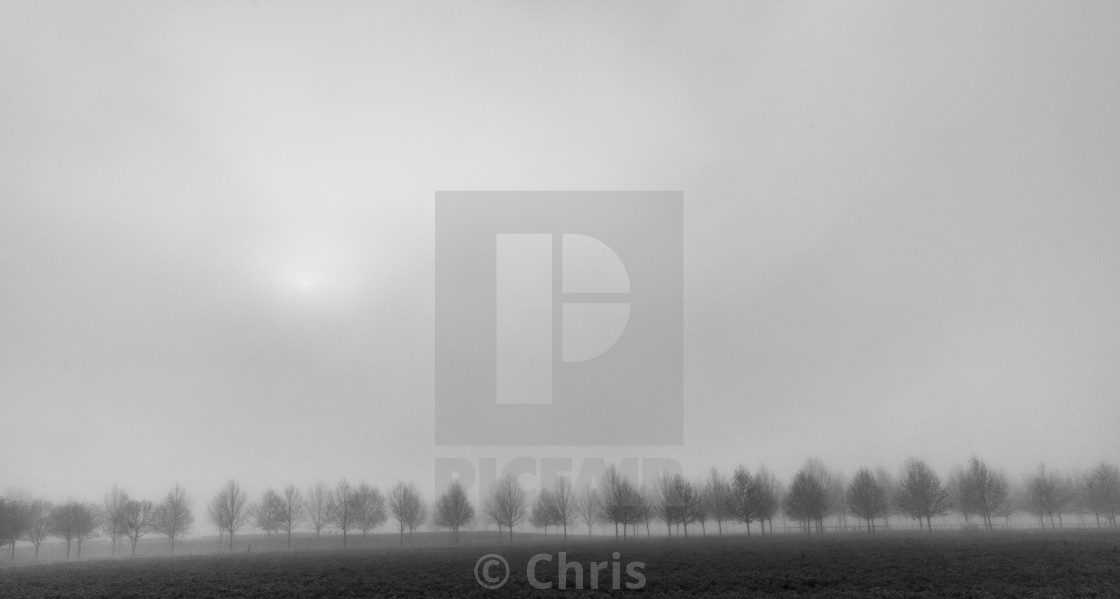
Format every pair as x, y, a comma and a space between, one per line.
1010, 564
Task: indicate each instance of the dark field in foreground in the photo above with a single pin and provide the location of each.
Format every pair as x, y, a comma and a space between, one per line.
1074, 564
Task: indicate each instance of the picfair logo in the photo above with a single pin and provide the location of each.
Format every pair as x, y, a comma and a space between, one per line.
583, 316
558, 318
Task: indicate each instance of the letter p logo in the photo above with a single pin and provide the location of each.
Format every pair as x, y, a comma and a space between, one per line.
582, 317
558, 318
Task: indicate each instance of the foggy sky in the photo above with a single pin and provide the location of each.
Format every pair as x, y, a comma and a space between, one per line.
216, 252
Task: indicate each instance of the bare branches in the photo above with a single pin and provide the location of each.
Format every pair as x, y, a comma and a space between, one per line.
315, 506
507, 503
75, 522
137, 518
343, 508
229, 509
453, 509
1048, 493
292, 510
407, 508
920, 493
867, 498
173, 515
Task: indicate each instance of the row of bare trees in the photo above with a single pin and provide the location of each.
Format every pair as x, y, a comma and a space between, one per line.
813, 494
976, 490
119, 517
344, 507
617, 501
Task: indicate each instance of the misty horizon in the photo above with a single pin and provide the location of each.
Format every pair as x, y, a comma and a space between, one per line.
217, 260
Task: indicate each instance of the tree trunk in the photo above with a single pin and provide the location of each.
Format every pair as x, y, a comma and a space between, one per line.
231, 541
67, 550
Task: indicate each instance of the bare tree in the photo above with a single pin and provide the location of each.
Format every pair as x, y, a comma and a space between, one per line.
1100, 491
267, 514
344, 508
649, 511
173, 515
678, 502
488, 514
38, 514
838, 497
73, 521
13, 522
982, 491
564, 498
371, 512
767, 497
809, 498
406, 507
291, 510
318, 498
920, 493
112, 515
1048, 493
229, 509
137, 520
866, 498
958, 494
717, 495
215, 512
619, 502
665, 502
507, 499
743, 501
544, 513
453, 509
89, 521
700, 510
587, 506
890, 485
